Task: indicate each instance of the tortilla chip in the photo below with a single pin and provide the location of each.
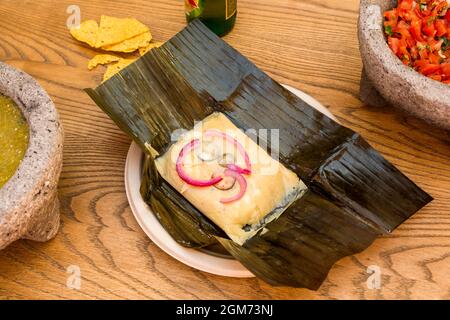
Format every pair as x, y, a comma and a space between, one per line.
130, 45
116, 67
102, 59
86, 32
144, 49
114, 30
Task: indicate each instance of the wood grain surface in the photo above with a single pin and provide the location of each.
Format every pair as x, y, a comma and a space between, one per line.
308, 44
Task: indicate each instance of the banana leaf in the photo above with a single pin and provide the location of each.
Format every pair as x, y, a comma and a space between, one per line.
301, 246
150, 101
353, 196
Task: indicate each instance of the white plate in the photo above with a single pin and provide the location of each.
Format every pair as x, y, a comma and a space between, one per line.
149, 223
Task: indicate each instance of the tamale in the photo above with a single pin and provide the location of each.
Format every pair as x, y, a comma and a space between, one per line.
354, 194
260, 202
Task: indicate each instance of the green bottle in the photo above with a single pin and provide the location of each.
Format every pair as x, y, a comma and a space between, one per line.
217, 15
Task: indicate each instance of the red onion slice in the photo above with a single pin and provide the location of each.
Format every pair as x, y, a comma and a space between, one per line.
242, 186
215, 133
184, 176
238, 169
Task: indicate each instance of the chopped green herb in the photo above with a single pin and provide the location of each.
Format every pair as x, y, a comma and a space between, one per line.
445, 44
388, 31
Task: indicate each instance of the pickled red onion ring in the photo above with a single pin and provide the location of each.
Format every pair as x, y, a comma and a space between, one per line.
215, 133
184, 176
242, 186
238, 169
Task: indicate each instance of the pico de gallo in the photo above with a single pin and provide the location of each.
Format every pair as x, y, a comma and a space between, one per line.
418, 32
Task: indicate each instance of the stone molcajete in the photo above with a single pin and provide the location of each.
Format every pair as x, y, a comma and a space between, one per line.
29, 206
386, 79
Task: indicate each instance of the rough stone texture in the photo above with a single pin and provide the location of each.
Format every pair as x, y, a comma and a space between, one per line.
398, 84
29, 206
368, 94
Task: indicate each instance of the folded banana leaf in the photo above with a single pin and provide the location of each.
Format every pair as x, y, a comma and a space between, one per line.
354, 193
300, 247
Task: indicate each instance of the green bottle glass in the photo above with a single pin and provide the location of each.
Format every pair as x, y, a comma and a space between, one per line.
217, 15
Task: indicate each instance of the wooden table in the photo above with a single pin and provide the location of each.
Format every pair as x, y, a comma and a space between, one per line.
308, 44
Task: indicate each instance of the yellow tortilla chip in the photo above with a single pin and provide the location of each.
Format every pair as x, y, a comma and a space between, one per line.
144, 49
102, 59
116, 67
130, 45
86, 32
114, 30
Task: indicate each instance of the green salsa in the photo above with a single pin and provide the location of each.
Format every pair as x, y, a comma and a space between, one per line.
13, 138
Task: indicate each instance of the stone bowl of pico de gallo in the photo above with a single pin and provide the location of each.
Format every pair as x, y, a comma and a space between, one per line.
405, 49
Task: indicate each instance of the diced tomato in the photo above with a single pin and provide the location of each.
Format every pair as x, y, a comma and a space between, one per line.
423, 50
416, 30
421, 13
405, 10
436, 77
403, 30
434, 58
441, 27
414, 53
393, 44
402, 25
421, 63
445, 69
406, 15
424, 53
405, 5
423, 9
430, 69
435, 45
392, 24
402, 42
404, 55
402, 46
428, 27
440, 9
447, 16
391, 15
